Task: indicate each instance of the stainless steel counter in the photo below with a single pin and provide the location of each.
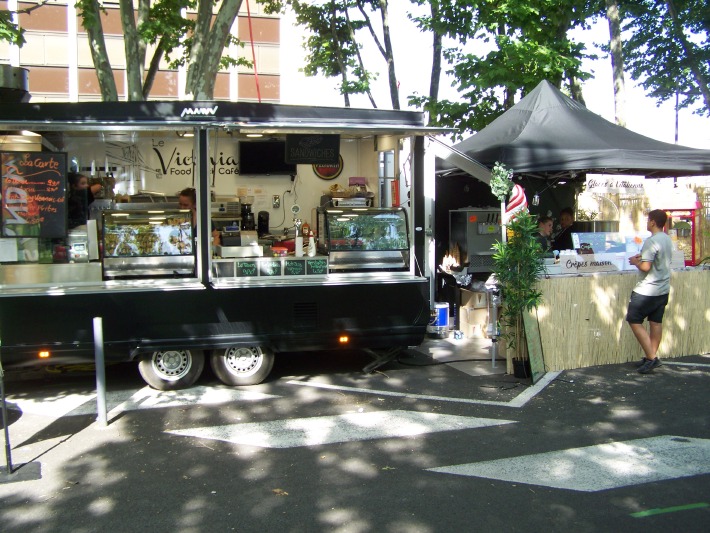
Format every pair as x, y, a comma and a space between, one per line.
32, 274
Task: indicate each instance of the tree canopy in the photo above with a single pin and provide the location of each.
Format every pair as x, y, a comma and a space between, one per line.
496, 51
668, 49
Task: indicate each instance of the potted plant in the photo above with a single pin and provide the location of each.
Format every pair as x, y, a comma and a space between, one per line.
517, 266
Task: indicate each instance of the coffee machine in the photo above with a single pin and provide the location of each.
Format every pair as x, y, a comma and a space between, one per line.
263, 223
248, 223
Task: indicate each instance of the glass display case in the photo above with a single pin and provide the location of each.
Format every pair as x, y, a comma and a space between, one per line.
155, 243
364, 238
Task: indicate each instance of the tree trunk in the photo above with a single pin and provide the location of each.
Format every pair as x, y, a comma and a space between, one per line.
575, 89
691, 58
436, 56
91, 16
131, 46
394, 84
152, 70
359, 58
337, 49
617, 60
206, 61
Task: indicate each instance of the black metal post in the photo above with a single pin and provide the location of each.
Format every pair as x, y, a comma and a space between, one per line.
100, 371
6, 422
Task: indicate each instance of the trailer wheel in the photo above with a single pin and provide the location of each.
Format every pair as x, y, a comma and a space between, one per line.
241, 365
172, 369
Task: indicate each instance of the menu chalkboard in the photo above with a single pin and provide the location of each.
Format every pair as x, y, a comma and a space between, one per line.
270, 267
247, 269
33, 194
316, 267
294, 267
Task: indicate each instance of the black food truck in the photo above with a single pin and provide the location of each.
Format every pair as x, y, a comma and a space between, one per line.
301, 238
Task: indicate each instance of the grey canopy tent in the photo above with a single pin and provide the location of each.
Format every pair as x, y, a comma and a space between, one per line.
548, 135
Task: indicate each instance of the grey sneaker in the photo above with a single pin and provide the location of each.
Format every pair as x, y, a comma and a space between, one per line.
649, 365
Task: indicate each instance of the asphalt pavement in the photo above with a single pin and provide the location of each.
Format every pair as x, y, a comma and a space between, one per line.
436, 440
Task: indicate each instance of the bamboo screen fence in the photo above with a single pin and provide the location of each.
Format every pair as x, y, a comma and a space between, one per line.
582, 319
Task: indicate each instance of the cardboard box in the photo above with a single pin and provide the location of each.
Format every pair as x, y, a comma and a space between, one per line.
473, 322
476, 300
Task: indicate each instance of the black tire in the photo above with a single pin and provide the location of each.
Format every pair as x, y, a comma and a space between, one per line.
242, 365
172, 369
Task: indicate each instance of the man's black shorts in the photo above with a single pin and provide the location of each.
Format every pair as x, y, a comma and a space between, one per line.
642, 307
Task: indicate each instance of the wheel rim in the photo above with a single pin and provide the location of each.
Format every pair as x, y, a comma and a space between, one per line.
172, 365
243, 361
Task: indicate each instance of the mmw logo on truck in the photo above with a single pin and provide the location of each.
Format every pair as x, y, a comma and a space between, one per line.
199, 111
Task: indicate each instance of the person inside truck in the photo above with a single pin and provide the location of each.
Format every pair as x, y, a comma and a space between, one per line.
563, 239
81, 196
187, 199
544, 226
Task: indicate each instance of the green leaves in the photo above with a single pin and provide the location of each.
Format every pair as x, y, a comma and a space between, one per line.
668, 49
517, 267
501, 181
9, 31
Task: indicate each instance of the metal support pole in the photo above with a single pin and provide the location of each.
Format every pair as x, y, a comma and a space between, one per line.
100, 371
492, 329
6, 422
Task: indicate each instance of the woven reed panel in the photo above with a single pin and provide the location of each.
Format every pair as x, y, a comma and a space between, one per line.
582, 319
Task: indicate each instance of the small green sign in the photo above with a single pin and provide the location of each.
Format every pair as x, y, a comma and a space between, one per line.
317, 267
246, 269
270, 267
294, 267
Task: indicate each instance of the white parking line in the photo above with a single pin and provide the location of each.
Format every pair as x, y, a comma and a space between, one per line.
519, 401
348, 427
145, 398
600, 467
674, 363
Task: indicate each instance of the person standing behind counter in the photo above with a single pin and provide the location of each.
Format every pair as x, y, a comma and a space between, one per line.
563, 239
650, 296
187, 199
544, 226
81, 196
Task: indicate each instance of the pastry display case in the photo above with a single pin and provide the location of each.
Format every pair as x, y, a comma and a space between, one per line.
155, 243
364, 239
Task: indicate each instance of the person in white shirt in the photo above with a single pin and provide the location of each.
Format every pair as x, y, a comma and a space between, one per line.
650, 296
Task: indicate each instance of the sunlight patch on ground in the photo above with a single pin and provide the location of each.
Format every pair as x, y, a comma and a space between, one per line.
600, 467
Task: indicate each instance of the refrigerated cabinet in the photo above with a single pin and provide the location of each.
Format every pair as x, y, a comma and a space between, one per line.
156, 243
364, 239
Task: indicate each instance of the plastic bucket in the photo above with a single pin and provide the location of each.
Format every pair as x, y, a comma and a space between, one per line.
439, 325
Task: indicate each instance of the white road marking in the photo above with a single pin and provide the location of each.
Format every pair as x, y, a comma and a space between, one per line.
519, 401
145, 398
667, 362
600, 467
348, 427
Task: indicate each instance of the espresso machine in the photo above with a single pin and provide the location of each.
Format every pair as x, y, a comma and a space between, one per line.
248, 222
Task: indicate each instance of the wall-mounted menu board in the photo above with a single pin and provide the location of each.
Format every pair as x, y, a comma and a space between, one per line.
33, 194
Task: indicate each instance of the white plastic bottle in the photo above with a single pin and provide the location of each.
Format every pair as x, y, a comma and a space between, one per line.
311, 245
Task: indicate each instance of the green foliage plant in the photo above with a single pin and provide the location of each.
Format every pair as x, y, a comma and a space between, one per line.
501, 181
517, 266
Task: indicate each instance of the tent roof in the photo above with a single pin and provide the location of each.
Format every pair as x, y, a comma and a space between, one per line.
547, 134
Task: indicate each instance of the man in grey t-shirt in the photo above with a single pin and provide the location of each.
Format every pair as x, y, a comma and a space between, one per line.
650, 296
